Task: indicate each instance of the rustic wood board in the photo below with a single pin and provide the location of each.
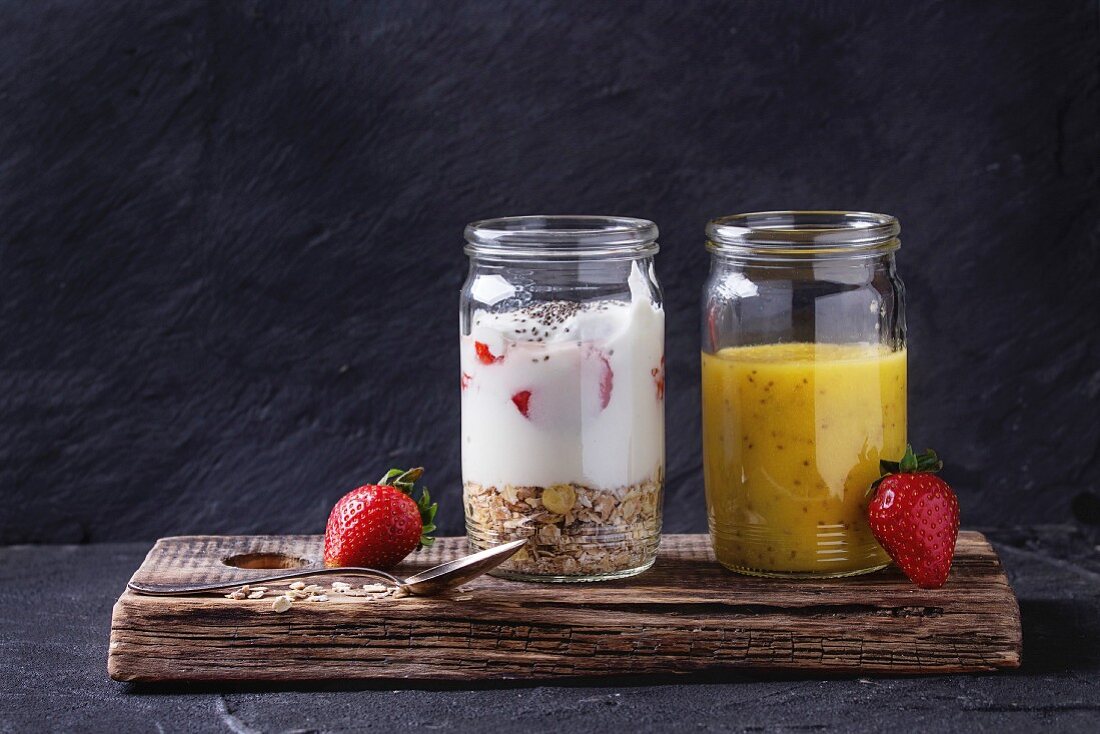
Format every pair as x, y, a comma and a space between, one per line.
686, 614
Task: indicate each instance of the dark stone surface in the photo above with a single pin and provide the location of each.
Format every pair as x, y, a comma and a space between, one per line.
230, 241
55, 606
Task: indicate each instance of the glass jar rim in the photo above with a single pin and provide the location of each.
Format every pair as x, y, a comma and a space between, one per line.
562, 237
812, 233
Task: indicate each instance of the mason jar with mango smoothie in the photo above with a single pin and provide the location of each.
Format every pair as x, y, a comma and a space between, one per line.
804, 388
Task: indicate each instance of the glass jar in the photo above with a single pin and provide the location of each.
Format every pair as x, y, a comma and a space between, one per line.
562, 357
804, 388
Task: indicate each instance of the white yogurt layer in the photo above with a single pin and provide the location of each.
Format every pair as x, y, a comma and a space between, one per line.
562, 392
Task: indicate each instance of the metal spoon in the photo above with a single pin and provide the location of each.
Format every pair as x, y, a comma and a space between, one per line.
426, 583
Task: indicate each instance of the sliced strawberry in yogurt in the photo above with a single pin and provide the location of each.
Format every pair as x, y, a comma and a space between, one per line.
465, 380
484, 355
522, 399
597, 365
659, 378
607, 382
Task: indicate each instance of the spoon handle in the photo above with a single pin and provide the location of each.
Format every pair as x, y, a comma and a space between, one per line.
169, 590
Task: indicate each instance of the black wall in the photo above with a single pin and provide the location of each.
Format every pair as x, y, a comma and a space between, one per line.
230, 232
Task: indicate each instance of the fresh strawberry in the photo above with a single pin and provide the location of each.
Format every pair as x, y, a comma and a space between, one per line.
484, 355
377, 525
915, 517
522, 400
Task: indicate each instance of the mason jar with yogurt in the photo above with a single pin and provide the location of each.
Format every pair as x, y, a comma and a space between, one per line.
562, 374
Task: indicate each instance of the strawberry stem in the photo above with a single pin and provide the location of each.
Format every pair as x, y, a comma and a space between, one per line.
402, 479
405, 481
910, 463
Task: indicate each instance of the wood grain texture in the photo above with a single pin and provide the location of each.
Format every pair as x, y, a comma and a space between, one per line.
686, 614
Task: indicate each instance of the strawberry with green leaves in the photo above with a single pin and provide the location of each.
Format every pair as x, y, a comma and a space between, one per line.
377, 525
914, 515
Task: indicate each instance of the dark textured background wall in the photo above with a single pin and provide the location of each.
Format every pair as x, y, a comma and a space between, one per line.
231, 231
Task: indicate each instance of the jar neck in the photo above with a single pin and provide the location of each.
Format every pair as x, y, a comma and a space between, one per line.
861, 259
798, 236
483, 261
560, 239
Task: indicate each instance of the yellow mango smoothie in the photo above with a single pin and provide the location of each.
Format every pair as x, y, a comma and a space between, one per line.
792, 437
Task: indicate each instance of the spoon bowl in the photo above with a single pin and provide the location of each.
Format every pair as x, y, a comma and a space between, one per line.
460, 570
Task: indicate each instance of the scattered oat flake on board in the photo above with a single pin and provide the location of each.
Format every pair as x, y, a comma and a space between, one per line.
298, 585
256, 595
375, 588
281, 604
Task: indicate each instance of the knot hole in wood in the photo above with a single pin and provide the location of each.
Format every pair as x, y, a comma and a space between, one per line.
265, 561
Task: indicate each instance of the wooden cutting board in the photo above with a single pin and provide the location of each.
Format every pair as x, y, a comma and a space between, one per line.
686, 614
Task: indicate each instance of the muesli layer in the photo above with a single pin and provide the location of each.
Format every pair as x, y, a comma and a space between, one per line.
573, 530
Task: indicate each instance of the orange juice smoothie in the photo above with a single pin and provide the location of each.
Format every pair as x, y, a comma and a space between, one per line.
792, 437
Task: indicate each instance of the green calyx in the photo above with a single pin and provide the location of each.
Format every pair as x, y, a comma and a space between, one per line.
405, 481
911, 463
